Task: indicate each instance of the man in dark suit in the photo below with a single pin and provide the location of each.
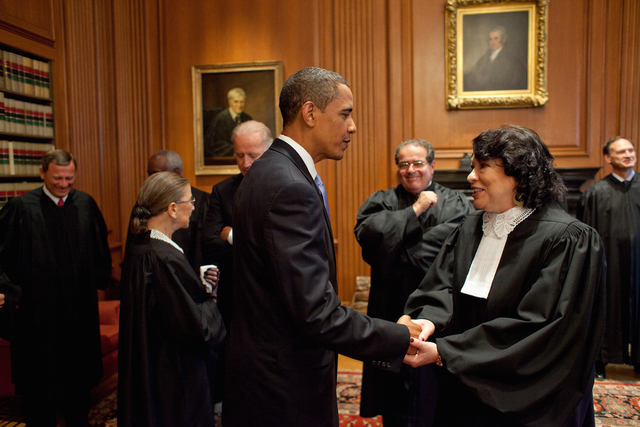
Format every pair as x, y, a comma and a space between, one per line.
250, 140
217, 140
497, 69
288, 322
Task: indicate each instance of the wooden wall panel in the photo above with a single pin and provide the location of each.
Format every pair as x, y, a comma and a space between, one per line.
33, 19
361, 56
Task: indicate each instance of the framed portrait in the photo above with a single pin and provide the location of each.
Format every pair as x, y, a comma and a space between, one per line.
225, 95
496, 53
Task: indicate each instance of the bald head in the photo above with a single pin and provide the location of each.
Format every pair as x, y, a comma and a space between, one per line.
164, 161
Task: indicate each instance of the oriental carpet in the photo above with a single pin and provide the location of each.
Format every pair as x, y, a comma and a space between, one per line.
616, 403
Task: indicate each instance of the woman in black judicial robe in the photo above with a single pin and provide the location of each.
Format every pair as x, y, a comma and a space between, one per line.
169, 324
514, 302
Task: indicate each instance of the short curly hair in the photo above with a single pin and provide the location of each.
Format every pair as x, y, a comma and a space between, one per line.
527, 159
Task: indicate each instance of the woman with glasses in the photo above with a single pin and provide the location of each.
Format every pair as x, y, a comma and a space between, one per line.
169, 324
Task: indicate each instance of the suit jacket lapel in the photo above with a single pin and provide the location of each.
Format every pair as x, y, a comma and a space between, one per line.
285, 149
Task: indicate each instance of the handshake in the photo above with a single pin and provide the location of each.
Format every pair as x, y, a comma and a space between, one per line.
420, 352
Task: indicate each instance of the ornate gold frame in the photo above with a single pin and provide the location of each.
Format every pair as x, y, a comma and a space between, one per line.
265, 79
536, 93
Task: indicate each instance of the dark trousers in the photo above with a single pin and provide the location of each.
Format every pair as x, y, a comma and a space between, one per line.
41, 407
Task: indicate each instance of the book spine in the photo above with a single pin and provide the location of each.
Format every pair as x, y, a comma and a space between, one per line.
28, 75
2, 83
3, 120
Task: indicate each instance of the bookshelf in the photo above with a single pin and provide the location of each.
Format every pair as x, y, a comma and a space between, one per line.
26, 120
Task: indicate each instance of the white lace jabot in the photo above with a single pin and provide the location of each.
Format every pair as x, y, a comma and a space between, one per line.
501, 224
495, 228
159, 235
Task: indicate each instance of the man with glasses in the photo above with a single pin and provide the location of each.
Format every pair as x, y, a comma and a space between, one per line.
401, 231
189, 239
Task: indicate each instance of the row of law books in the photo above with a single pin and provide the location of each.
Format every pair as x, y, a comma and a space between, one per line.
25, 118
10, 190
25, 75
19, 158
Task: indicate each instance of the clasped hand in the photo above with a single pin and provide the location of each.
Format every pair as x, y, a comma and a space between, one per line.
212, 275
420, 351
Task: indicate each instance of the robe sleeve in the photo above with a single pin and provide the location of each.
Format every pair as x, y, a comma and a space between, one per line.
524, 364
10, 226
383, 228
184, 320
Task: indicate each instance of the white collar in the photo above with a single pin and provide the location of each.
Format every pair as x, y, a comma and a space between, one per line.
52, 197
501, 224
622, 179
159, 235
306, 157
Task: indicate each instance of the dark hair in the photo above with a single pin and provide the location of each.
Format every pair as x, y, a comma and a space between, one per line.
59, 158
317, 85
431, 155
172, 160
156, 194
524, 157
607, 145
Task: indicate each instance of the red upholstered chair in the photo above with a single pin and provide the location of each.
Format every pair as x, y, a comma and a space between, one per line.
109, 329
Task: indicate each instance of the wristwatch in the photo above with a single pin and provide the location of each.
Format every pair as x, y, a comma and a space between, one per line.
439, 360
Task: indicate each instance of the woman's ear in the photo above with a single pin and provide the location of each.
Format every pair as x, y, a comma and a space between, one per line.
172, 210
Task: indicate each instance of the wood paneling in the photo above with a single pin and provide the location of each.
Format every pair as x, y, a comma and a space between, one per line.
31, 19
122, 76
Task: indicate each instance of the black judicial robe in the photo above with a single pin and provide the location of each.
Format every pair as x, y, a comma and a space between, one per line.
613, 209
58, 257
524, 355
168, 327
400, 247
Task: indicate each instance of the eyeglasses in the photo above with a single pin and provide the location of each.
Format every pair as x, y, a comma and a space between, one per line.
418, 164
192, 201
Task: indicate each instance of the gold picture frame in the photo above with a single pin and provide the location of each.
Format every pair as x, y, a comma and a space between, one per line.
214, 86
513, 77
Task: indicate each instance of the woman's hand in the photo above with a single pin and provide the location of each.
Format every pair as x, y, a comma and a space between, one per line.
427, 353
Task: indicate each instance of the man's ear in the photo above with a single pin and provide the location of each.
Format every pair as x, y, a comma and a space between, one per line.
308, 112
607, 158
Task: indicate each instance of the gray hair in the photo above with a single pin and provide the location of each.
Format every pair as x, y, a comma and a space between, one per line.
173, 160
317, 85
253, 126
58, 157
156, 194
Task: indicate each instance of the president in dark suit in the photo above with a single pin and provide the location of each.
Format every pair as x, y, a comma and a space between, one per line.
288, 323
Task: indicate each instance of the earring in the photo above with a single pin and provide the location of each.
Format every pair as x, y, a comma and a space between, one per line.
518, 199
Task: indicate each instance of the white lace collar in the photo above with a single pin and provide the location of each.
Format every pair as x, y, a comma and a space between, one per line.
501, 224
159, 235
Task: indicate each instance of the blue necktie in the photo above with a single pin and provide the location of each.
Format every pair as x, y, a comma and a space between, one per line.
318, 182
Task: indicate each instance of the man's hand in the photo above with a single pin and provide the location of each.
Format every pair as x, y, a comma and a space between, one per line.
224, 234
1, 300
426, 200
420, 330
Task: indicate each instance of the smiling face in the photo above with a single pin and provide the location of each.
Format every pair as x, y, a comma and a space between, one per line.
59, 179
333, 128
622, 156
414, 178
492, 189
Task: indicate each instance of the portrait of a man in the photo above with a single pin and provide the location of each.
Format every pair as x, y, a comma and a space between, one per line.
495, 52
217, 138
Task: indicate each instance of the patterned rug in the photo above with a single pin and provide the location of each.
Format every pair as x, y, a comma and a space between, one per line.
616, 404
